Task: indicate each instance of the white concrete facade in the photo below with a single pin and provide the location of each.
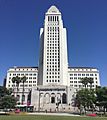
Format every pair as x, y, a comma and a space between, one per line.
30, 72
74, 75
53, 62
53, 98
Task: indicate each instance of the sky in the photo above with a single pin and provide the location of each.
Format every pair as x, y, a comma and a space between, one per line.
86, 23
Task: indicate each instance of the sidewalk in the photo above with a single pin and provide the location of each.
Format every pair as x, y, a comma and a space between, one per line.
56, 114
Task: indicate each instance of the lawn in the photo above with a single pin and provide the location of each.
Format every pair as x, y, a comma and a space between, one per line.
42, 117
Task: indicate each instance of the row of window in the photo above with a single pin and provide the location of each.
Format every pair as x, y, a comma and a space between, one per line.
52, 44
53, 76
53, 73
53, 81
26, 78
52, 23
24, 69
83, 74
54, 55
53, 69
82, 69
24, 85
54, 63
53, 41
27, 81
53, 33
14, 74
53, 36
52, 66
53, 48
53, 51
56, 59
79, 86
53, 28
79, 78
78, 82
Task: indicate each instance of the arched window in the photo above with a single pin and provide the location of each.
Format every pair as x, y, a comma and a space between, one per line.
52, 99
18, 97
23, 97
64, 98
46, 98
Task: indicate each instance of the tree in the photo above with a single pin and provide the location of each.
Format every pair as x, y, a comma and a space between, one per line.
23, 80
101, 94
87, 80
86, 99
90, 80
13, 81
84, 81
4, 91
16, 80
6, 100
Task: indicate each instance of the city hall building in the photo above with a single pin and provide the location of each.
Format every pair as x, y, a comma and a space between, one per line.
53, 84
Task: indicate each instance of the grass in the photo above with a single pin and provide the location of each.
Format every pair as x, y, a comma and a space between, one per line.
42, 117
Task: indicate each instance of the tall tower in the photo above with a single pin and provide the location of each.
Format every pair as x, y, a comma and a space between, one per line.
53, 61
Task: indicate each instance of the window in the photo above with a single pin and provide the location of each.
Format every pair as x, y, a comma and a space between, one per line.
52, 99
23, 98
75, 81
34, 81
71, 74
79, 74
30, 81
95, 74
83, 74
91, 74
87, 74
64, 98
75, 74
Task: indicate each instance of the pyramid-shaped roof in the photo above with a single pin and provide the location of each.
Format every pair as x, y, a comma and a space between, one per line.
53, 9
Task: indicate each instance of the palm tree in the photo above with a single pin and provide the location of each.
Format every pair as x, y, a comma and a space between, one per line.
84, 81
90, 80
13, 81
23, 80
18, 80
